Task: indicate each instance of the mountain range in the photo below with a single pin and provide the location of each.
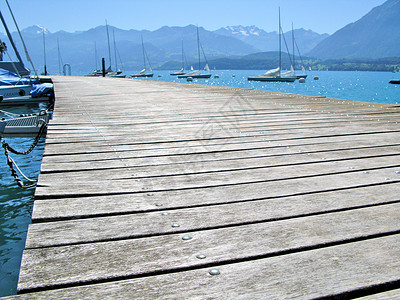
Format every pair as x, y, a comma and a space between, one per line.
376, 35
162, 45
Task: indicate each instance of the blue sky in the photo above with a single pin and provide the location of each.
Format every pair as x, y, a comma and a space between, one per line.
322, 16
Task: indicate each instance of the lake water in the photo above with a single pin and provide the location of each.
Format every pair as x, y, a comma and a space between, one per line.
359, 86
16, 204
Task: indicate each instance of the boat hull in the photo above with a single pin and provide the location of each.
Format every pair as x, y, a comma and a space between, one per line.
141, 75
395, 81
15, 91
271, 79
177, 73
195, 76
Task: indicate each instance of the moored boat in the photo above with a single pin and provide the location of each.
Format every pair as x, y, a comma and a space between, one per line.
395, 81
182, 70
275, 75
197, 73
144, 72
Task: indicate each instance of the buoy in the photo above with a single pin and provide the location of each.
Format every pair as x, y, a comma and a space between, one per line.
189, 79
302, 80
316, 77
216, 76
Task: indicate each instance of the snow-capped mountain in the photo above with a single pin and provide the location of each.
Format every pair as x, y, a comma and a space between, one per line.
244, 30
35, 29
268, 41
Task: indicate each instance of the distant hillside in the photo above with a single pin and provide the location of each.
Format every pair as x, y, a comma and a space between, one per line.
375, 35
268, 41
255, 61
270, 60
162, 45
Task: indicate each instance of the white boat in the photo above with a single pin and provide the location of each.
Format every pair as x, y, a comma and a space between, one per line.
144, 72
14, 91
275, 75
118, 73
182, 70
198, 74
303, 74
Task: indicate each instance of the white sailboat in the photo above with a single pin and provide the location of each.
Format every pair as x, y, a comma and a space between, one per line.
96, 72
117, 73
303, 75
144, 73
275, 75
197, 73
182, 70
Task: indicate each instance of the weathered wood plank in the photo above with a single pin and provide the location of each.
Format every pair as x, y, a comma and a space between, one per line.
94, 182
118, 259
124, 226
307, 200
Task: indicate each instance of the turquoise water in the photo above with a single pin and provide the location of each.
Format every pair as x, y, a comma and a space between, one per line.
359, 86
16, 204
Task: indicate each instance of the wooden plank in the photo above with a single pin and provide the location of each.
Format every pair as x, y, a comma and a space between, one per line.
309, 199
133, 225
220, 161
94, 182
101, 262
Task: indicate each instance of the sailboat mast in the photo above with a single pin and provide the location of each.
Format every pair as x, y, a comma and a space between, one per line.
44, 54
198, 45
183, 60
10, 38
59, 56
144, 54
95, 54
115, 51
294, 58
280, 50
108, 41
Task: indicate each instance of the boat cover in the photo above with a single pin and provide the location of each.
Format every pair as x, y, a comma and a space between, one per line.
10, 78
43, 89
272, 73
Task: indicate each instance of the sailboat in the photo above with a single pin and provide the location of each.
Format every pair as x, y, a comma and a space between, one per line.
182, 70
197, 73
99, 72
298, 76
275, 75
144, 72
117, 73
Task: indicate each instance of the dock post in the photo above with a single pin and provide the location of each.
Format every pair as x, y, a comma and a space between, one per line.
103, 66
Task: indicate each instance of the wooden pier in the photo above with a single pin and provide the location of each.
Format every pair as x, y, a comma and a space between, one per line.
156, 190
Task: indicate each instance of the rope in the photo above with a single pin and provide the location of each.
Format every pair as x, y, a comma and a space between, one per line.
11, 163
8, 114
14, 173
41, 131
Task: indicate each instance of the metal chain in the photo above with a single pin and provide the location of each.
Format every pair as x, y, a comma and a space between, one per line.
11, 162
41, 131
14, 173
